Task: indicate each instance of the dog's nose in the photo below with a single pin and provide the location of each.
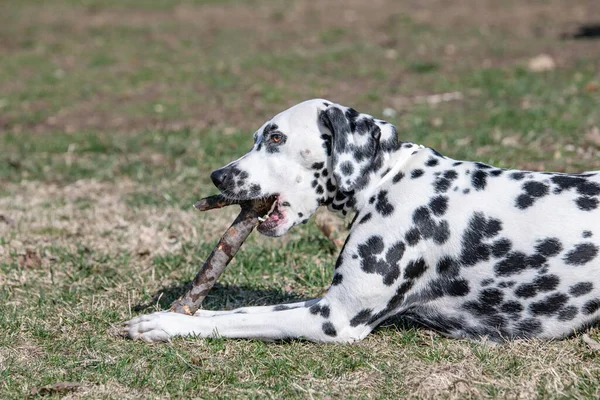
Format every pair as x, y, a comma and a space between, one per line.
218, 177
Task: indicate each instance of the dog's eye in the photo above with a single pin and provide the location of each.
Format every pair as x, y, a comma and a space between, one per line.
276, 137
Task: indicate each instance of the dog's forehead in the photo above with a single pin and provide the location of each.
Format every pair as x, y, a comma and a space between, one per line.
292, 120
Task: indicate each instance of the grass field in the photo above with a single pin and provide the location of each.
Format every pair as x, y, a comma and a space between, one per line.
113, 113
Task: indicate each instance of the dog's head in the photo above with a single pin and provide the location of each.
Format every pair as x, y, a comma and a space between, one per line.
312, 154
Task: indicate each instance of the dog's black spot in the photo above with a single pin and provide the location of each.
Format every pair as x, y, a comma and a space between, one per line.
436, 153
438, 205
587, 234
549, 247
581, 288
524, 201
581, 254
481, 165
281, 307
443, 183
317, 175
457, 288
347, 168
466, 191
514, 263
496, 172
366, 218
398, 177
526, 328
442, 233
450, 174
383, 206
319, 189
487, 282
317, 309
591, 306
422, 218
485, 308
536, 189
506, 284
586, 203
327, 144
384, 173
536, 261
588, 188
457, 163
300, 215
512, 307
517, 176
526, 290
363, 317
412, 237
337, 279
447, 266
429, 228
546, 283
372, 199
491, 297
330, 186
479, 228
318, 165
432, 162
567, 313
255, 190
415, 269
329, 329
388, 267
501, 247
479, 180
549, 305
416, 173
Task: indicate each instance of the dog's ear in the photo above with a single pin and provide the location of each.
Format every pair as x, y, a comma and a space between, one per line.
355, 146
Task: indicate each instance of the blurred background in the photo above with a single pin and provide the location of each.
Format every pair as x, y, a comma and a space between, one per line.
114, 112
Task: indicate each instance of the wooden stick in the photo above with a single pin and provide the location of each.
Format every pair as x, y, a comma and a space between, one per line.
228, 245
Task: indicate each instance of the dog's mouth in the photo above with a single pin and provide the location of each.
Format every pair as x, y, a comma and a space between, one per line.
271, 220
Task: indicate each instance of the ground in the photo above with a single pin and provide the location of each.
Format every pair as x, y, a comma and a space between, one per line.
113, 113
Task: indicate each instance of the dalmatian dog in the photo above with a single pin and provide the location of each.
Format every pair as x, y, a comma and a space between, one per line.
465, 248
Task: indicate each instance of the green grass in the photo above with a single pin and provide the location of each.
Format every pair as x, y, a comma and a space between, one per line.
113, 114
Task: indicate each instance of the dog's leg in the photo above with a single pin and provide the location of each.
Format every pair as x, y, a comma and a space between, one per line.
315, 323
257, 309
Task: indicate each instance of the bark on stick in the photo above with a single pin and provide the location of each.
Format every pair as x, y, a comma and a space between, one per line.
228, 245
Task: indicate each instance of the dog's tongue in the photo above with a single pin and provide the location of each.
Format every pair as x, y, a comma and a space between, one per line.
275, 214
272, 219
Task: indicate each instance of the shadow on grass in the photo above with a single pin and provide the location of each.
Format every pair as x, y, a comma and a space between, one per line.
221, 297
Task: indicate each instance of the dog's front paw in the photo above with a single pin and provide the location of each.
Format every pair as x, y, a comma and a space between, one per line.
157, 327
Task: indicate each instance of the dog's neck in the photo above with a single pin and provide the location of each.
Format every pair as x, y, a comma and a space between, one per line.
392, 167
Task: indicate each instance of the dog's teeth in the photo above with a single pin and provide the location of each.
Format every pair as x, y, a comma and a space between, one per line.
262, 219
